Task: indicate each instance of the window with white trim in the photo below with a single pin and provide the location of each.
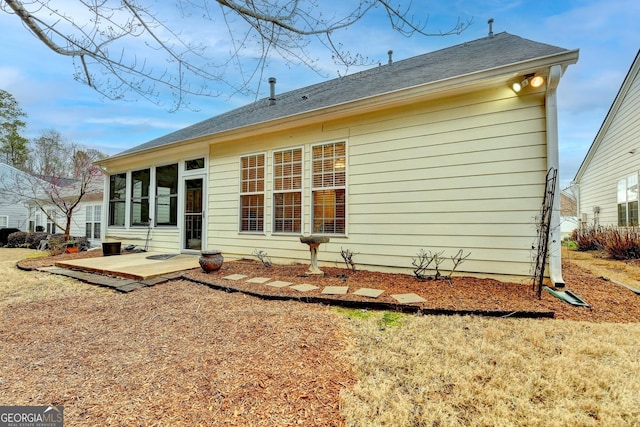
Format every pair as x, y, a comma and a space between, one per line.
4, 221
51, 218
140, 181
167, 195
117, 199
328, 187
252, 188
628, 201
93, 216
287, 191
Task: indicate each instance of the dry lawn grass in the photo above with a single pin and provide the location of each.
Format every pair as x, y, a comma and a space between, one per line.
468, 371
183, 354
20, 287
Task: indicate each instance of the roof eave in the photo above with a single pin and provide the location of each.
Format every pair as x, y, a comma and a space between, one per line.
446, 87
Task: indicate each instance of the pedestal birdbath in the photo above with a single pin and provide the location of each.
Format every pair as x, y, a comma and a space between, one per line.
314, 242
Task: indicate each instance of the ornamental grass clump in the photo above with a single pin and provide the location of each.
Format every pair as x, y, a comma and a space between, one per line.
618, 242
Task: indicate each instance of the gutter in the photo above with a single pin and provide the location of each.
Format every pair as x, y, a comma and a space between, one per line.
555, 249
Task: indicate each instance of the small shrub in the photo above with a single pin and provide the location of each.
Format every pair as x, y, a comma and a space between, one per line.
622, 243
17, 239
617, 242
34, 239
263, 257
347, 256
425, 260
587, 239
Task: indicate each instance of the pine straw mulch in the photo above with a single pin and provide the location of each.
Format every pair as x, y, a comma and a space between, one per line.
176, 354
179, 353
608, 301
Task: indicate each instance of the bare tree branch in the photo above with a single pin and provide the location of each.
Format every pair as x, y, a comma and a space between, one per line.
125, 48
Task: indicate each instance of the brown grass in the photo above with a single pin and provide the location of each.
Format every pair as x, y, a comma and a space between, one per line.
183, 354
467, 371
19, 287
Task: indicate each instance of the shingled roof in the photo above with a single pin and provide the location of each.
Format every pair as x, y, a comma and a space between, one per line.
483, 54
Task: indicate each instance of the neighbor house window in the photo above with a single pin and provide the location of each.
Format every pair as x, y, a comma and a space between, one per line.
51, 218
628, 201
117, 198
252, 193
93, 216
287, 191
4, 221
140, 197
329, 188
167, 195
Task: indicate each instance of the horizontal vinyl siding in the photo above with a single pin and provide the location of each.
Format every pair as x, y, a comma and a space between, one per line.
160, 240
463, 173
612, 161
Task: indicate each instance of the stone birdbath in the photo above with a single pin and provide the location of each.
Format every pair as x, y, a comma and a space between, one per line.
314, 242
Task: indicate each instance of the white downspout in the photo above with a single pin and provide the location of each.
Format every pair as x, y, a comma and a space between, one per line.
555, 248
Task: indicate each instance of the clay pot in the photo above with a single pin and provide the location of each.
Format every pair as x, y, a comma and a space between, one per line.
211, 260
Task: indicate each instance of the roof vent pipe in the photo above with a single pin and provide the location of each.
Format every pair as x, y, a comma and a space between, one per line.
490, 22
390, 53
272, 94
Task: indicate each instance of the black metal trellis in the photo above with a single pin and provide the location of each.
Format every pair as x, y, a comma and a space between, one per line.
544, 229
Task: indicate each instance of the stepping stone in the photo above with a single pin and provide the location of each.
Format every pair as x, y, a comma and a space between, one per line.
130, 287
279, 284
234, 277
305, 287
369, 292
259, 280
408, 298
335, 290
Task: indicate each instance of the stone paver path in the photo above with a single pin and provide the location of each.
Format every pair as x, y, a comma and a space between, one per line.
369, 292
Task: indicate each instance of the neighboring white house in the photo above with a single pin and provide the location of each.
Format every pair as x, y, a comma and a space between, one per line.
607, 180
13, 214
87, 218
434, 152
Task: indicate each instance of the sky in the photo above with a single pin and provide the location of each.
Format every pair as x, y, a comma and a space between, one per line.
607, 34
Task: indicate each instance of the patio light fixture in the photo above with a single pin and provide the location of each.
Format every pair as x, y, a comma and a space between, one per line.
529, 79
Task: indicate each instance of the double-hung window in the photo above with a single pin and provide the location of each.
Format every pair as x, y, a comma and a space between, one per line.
51, 221
252, 188
628, 201
287, 191
328, 187
117, 198
140, 197
4, 221
93, 216
167, 195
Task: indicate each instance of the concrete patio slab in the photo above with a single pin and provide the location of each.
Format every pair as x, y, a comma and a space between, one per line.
369, 292
259, 280
335, 290
279, 284
407, 298
133, 266
304, 287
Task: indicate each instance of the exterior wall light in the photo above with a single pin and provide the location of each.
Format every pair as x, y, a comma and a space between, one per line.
529, 79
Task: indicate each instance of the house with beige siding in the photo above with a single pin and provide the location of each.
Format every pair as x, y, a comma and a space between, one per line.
607, 179
435, 152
